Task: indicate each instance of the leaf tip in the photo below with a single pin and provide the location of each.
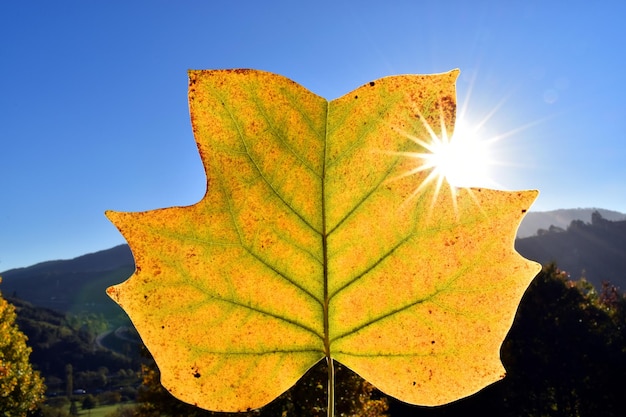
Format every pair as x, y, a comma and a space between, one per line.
193, 75
531, 197
110, 214
113, 292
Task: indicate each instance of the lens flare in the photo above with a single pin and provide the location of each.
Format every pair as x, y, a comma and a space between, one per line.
461, 160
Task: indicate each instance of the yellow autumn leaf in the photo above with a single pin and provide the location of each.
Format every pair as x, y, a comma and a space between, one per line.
321, 235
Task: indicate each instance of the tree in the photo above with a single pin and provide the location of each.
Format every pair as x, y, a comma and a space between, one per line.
69, 380
21, 388
73, 408
89, 402
565, 352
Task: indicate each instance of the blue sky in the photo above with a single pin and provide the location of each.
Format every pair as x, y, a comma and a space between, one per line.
93, 96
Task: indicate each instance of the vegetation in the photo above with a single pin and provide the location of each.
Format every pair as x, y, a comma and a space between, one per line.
119, 411
79, 373
21, 388
62, 339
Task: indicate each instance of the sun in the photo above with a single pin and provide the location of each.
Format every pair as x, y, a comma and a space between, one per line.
463, 159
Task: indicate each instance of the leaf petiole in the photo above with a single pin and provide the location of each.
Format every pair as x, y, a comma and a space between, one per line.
331, 387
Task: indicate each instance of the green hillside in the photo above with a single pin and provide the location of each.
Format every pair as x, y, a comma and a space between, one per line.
76, 286
60, 339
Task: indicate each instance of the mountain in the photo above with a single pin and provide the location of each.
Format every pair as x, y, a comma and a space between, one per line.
536, 220
74, 285
595, 251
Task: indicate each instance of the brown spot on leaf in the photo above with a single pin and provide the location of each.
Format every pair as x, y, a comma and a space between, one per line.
240, 71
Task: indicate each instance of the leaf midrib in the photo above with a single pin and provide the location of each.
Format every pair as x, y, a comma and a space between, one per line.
325, 242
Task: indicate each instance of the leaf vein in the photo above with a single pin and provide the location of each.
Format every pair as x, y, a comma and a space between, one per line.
258, 310
258, 169
368, 323
283, 276
282, 139
372, 266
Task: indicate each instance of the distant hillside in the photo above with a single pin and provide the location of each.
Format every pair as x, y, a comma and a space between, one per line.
596, 250
536, 220
73, 285
57, 340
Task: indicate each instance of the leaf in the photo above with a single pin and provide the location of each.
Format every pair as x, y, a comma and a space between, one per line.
317, 238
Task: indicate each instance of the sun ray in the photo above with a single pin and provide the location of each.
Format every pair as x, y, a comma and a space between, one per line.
438, 158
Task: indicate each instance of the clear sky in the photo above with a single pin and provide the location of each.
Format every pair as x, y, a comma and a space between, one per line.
94, 115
